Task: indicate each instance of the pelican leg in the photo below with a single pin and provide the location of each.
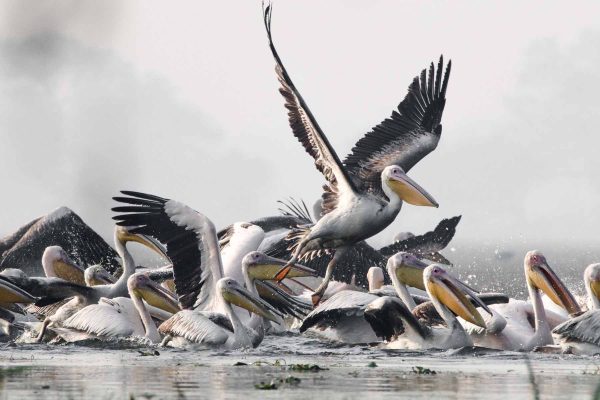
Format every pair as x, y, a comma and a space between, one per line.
45, 324
286, 268
166, 341
318, 294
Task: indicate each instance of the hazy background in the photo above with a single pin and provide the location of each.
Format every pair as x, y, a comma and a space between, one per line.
180, 99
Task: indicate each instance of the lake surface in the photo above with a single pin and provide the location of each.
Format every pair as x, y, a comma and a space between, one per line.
97, 371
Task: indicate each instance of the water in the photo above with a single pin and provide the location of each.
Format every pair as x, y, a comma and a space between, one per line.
73, 372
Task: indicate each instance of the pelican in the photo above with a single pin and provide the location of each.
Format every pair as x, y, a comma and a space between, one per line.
62, 227
122, 316
527, 324
97, 275
341, 316
581, 334
192, 246
393, 321
365, 193
210, 329
93, 294
57, 264
353, 266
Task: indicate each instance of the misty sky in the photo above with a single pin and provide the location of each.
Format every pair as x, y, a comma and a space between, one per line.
180, 99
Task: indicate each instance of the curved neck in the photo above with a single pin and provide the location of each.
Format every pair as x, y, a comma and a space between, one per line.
593, 301
149, 325
395, 202
402, 292
543, 334
119, 288
256, 322
448, 316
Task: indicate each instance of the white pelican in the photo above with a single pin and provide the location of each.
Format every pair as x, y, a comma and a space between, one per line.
97, 275
352, 267
192, 246
211, 329
581, 334
365, 193
57, 264
62, 227
341, 316
117, 289
393, 321
121, 316
527, 325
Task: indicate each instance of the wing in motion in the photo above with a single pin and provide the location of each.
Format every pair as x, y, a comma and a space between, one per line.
189, 236
408, 135
307, 130
428, 245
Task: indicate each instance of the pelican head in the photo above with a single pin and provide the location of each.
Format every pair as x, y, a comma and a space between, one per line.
140, 285
263, 267
234, 293
408, 268
541, 277
407, 189
452, 293
57, 263
97, 275
125, 234
375, 278
591, 276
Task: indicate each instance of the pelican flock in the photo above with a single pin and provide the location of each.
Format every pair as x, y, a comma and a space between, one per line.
297, 272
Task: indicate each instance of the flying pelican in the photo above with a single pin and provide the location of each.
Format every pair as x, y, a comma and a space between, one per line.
581, 334
121, 316
527, 324
352, 267
394, 322
365, 193
62, 227
93, 294
192, 246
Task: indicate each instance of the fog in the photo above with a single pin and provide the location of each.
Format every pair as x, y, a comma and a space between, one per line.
180, 100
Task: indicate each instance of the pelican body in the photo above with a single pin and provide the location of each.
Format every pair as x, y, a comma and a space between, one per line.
581, 334
517, 333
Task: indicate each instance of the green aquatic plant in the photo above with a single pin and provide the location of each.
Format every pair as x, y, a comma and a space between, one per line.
372, 364
423, 371
306, 368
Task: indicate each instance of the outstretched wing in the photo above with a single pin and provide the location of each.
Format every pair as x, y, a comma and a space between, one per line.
408, 135
306, 129
189, 236
64, 228
427, 245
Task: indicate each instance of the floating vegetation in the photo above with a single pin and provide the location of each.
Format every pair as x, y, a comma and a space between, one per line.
240, 364
9, 371
372, 364
306, 368
423, 371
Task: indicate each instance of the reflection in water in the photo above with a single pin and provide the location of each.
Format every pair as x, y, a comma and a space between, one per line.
34, 372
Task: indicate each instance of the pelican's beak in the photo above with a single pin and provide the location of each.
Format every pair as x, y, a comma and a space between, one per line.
10, 293
66, 269
410, 272
158, 296
543, 278
453, 294
409, 190
126, 236
236, 294
264, 267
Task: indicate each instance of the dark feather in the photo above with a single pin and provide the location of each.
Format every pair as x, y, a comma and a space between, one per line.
388, 317
408, 135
